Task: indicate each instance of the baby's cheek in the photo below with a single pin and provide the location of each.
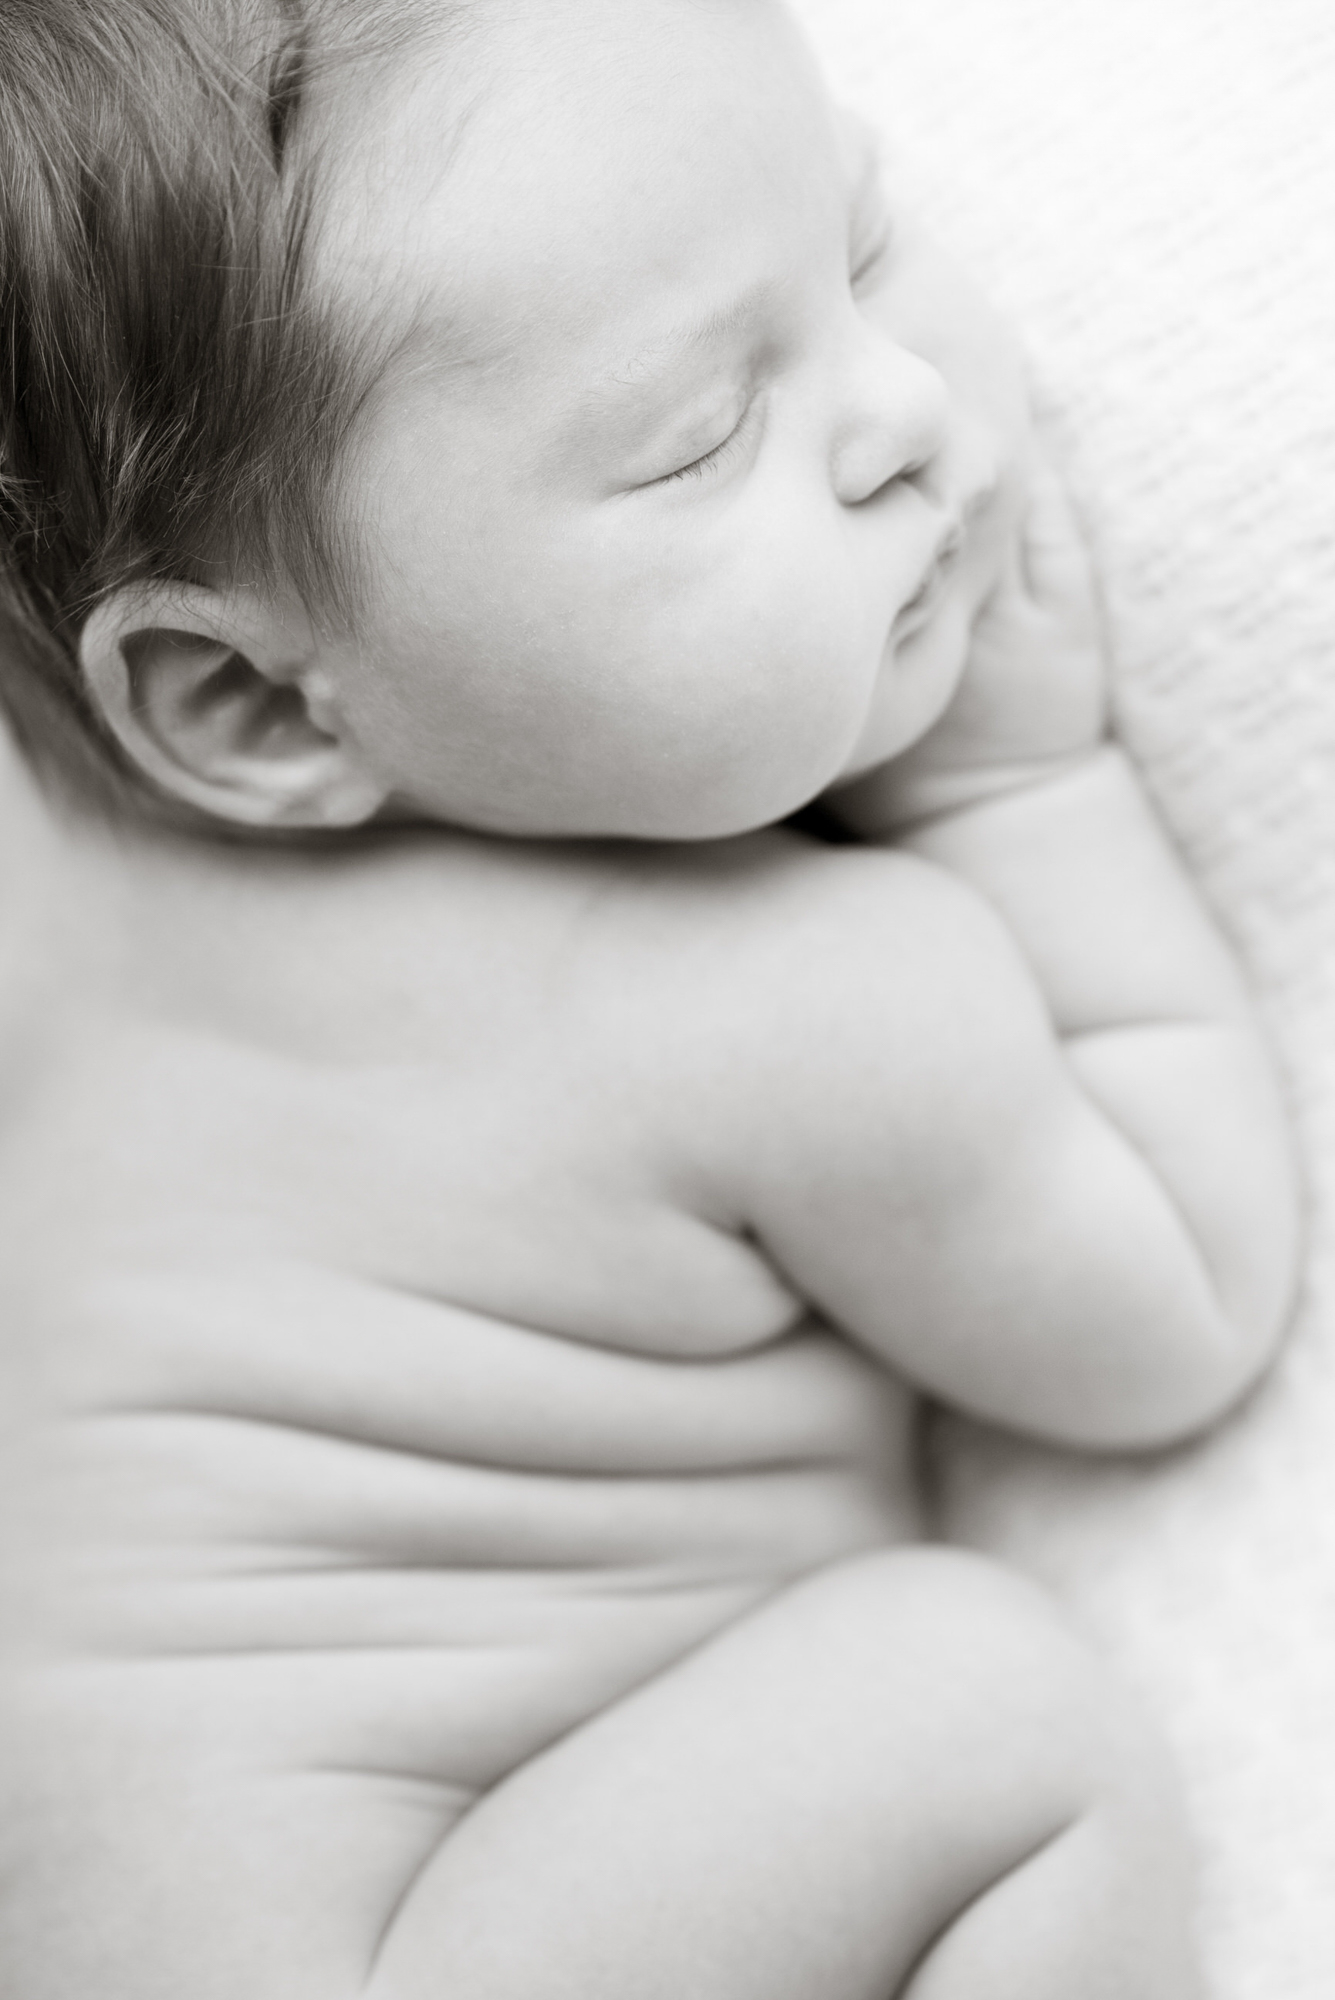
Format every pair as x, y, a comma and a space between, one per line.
820, 684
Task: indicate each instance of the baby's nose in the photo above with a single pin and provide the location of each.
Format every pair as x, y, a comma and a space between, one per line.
893, 422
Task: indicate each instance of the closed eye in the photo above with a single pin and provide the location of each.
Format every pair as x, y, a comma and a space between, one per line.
712, 461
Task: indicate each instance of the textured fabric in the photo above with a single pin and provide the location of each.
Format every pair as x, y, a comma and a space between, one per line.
1149, 188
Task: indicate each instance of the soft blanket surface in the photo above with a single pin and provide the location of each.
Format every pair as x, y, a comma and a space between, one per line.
1149, 188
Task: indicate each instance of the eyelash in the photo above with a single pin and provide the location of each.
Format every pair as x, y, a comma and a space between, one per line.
698, 467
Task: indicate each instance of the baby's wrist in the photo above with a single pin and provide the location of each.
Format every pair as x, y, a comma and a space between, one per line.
888, 802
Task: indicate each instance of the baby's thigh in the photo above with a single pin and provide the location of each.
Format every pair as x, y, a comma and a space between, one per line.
806, 1807
798, 1810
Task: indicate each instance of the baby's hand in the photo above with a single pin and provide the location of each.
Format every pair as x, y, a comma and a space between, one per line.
1034, 690
1033, 696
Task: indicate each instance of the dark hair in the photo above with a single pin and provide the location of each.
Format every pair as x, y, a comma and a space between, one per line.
173, 397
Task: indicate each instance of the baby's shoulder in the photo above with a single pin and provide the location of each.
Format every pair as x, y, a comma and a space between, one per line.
589, 926
675, 985
813, 931
734, 978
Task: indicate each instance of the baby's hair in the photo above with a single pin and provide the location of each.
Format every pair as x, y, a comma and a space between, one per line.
174, 396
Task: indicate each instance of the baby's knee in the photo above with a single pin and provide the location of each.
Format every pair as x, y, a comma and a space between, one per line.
974, 1733
1015, 1700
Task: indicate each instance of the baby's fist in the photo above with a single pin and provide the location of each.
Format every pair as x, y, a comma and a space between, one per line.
1032, 698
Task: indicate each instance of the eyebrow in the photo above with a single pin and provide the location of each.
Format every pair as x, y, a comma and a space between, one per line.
691, 336
652, 361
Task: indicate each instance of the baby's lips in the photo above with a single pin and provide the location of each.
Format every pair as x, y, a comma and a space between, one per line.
922, 602
952, 541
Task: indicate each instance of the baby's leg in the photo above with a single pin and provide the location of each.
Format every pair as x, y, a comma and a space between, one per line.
902, 1777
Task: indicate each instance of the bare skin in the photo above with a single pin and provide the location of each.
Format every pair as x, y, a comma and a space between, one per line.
466, 1297
409, 1385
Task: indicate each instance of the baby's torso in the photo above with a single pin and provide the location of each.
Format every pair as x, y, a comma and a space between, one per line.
388, 1369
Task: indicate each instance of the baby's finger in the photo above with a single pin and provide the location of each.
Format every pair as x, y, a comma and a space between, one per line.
1057, 566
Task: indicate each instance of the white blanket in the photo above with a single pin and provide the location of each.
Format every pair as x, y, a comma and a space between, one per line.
1149, 187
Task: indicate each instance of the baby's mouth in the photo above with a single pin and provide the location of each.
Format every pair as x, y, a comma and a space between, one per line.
918, 609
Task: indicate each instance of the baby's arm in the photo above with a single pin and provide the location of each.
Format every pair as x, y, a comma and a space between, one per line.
1100, 1244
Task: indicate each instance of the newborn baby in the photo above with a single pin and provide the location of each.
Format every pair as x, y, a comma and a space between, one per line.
481, 1197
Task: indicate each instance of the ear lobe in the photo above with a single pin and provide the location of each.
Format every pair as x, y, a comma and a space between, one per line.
220, 702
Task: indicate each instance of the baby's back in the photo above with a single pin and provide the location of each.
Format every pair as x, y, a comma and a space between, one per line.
388, 1390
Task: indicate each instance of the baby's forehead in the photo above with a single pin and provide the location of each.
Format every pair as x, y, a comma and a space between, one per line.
478, 176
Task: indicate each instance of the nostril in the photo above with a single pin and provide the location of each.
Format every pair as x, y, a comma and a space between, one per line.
874, 465
894, 422
864, 473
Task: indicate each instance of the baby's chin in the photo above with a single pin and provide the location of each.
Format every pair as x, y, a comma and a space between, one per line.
914, 688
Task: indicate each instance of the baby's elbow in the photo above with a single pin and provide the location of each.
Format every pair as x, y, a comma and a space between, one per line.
1203, 1367
1253, 1285
1211, 1235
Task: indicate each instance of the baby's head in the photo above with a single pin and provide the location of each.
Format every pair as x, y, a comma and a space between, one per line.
520, 413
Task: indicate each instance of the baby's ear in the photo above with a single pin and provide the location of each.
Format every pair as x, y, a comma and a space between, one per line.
222, 702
